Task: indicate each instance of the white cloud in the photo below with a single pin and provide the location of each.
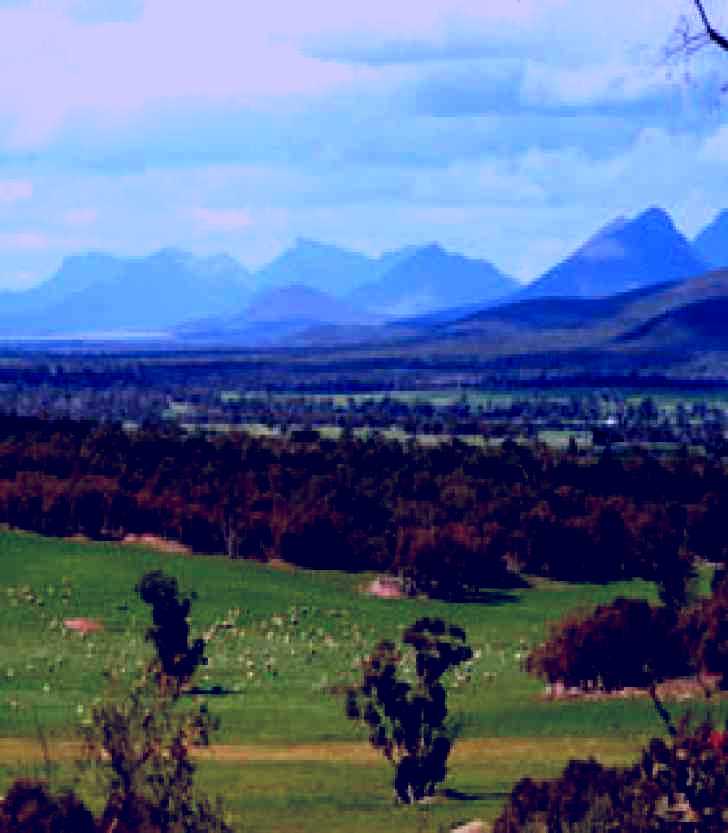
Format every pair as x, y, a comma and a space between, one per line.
23, 240
715, 146
57, 69
79, 217
224, 220
14, 190
600, 83
20, 280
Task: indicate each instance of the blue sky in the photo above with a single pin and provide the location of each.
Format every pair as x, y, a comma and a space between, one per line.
505, 129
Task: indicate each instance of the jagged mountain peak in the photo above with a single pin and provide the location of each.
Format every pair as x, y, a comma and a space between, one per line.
623, 255
712, 242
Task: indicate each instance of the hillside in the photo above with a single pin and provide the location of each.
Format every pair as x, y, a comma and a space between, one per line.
431, 278
319, 266
672, 327
712, 242
100, 293
624, 255
275, 316
593, 323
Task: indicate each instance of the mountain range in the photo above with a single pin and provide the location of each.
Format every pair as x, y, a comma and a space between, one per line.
624, 255
100, 293
712, 242
314, 291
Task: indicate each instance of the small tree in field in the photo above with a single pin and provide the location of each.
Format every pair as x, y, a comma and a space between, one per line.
138, 742
140, 748
407, 720
177, 659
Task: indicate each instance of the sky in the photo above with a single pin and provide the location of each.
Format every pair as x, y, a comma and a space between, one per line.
504, 129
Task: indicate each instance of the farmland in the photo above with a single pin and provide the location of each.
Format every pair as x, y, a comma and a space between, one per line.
284, 640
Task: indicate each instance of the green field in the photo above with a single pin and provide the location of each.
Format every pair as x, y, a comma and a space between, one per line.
284, 640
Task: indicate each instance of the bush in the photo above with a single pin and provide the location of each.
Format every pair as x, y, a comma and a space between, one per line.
140, 745
407, 721
453, 562
677, 786
625, 643
29, 807
137, 744
704, 630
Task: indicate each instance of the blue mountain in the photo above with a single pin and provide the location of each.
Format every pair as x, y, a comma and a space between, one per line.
317, 265
624, 255
99, 292
420, 280
712, 242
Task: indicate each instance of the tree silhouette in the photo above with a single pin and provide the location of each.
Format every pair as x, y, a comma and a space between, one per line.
407, 720
177, 659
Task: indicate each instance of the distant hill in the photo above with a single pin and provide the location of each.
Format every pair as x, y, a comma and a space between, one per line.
624, 255
274, 316
100, 293
680, 316
75, 274
318, 265
565, 313
698, 326
300, 303
430, 278
712, 242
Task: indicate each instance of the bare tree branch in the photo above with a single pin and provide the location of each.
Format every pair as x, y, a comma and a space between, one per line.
713, 34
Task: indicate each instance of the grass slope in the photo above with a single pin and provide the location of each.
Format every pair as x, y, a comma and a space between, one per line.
290, 637
304, 767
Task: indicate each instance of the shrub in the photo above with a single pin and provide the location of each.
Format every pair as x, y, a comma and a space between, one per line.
704, 630
140, 747
407, 720
625, 643
453, 562
677, 786
29, 807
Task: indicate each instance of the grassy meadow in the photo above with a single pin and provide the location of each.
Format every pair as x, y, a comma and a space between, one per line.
283, 642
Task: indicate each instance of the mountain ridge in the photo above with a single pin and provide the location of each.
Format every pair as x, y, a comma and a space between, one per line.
623, 255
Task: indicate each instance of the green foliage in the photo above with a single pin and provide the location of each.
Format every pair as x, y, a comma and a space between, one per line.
679, 785
631, 643
407, 720
625, 643
704, 629
170, 632
139, 746
138, 743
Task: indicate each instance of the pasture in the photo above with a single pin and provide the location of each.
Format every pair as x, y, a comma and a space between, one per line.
282, 642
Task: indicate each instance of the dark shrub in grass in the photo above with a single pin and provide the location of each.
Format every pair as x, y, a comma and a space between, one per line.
625, 643
680, 785
29, 807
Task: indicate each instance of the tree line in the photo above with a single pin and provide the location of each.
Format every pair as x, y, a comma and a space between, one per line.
450, 519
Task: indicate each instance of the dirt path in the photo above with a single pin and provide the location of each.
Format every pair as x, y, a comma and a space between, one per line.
492, 750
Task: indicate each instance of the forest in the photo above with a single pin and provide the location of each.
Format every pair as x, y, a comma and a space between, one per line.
450, 519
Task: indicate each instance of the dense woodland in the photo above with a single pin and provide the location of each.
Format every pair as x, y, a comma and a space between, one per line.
451, 519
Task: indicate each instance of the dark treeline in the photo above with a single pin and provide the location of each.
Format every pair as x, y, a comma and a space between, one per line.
449, 517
